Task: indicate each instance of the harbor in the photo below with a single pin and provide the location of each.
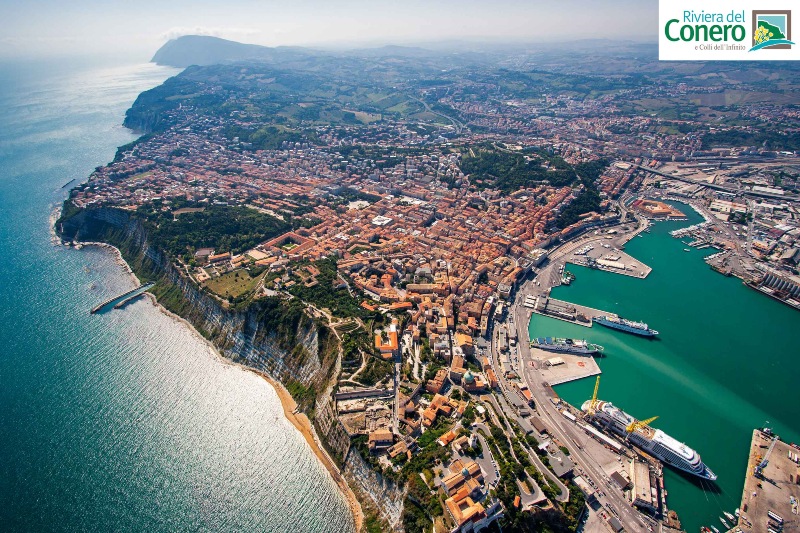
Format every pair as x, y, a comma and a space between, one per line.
772, 486
678, 377
563, 310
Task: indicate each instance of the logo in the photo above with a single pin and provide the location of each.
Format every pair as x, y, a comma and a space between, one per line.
772, 30
727, 30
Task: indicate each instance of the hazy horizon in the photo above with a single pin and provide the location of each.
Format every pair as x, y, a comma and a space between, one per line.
44, 28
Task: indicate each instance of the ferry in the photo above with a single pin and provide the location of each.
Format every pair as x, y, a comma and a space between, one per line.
629, 326
652, 441
572, 346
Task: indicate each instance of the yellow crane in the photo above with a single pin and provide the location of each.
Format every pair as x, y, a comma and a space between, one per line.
633, 426
593, 405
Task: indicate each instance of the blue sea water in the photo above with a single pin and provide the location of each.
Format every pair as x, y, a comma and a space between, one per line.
125, 421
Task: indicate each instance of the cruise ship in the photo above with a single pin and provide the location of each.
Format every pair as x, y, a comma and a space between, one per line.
652, 441
572, 346
617, 322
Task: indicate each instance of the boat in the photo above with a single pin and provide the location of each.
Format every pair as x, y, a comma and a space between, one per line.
652, 441
573, 346
724, 523
729, 516
715, 529
704, 529
686, 250
629, 326
736, 512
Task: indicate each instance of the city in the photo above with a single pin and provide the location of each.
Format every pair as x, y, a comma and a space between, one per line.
423, 225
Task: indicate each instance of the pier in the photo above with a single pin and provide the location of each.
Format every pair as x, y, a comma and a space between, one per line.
558, 368
608, 258
122, 299
566, 311
771, 489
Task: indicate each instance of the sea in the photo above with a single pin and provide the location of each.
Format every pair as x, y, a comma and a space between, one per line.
124, 421
725, 361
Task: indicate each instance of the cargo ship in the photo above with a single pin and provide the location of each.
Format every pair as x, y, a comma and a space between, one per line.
629, 326
652, 441
572, 346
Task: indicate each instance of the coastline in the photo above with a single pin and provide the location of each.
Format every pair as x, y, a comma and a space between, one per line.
304, 426
299, 420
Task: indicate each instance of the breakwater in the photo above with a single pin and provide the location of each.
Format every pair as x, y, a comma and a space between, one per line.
122, 299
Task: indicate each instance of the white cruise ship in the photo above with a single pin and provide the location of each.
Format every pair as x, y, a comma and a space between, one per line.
652, 441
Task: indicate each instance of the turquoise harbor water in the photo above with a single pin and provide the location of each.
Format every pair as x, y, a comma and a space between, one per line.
123, 421
726, 361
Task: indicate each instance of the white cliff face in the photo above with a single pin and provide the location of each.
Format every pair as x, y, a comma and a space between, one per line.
384, 494
245, 337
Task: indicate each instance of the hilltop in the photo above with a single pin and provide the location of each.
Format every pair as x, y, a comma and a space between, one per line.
206, 50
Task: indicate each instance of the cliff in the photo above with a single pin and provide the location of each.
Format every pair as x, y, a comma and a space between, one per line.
270, 335
265, 336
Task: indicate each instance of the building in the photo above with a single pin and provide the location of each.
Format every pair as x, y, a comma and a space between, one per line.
464, 342
463, 475
435, 385
388, 342
380, 439
472, 382
464, 510
439, 405
643, 494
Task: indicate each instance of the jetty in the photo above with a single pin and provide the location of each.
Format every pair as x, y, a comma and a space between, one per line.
122, 299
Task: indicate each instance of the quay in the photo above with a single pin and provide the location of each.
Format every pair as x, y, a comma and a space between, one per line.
566, 311
771, 486
122, 299
603, 256
558, 368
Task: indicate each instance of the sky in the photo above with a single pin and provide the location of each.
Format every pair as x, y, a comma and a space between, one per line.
31, 28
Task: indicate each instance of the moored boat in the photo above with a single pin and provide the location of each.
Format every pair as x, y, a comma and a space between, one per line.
628, 326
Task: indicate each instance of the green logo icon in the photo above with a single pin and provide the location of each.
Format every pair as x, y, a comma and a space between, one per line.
772, 30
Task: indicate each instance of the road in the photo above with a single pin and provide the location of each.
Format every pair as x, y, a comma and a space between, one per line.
730, 190
563, 495
457, 124
568, 434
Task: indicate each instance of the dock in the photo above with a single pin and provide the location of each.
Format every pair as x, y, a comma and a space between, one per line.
122, 299
566, 311
775, 490
558, 368
608, 258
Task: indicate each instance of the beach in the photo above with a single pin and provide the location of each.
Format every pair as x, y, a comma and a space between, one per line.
299, 420
303, 425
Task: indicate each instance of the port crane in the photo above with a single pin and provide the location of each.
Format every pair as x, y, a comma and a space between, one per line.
759, 470
593, 405
633, 426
